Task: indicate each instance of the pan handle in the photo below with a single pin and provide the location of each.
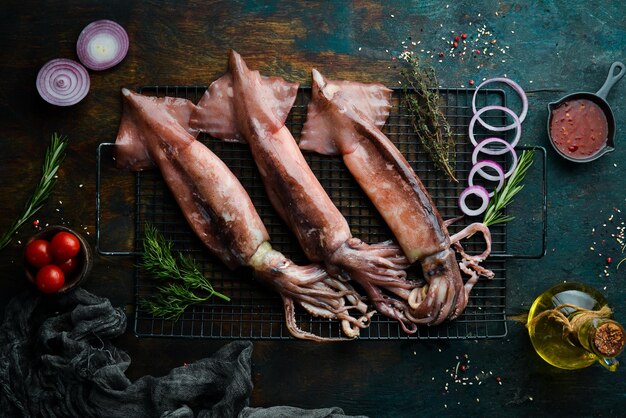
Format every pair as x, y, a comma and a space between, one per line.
611, 79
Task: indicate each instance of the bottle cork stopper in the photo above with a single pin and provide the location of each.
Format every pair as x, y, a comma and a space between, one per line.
609, 339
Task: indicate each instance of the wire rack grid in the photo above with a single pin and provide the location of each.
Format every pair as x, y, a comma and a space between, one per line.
254, 311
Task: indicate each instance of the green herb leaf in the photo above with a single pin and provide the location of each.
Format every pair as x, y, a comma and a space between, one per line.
421, 98
52, 161
497, 204
161, 263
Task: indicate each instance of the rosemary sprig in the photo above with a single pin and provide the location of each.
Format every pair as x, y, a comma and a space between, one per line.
501, 199
52, 161
421, 97
173, 298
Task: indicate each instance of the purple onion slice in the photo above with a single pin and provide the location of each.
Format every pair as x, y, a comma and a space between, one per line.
63, 82
517, 124
482, 147
102, 45
478, 168
516, 87
478, 191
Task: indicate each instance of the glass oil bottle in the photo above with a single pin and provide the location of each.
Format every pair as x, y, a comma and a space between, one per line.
571, 327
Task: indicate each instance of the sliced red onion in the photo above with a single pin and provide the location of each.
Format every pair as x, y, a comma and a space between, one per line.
102, 44
516, 123
517, 89
63, 82
478, 191
507, 148
494, 151
478, 168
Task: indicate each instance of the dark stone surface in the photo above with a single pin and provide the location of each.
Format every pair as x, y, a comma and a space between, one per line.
550, 47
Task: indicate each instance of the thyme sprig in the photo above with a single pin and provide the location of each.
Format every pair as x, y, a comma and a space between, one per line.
189, 285
495, 209
421, 97
52, 162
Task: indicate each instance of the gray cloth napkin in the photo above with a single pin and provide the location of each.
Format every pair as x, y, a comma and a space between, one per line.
57, 360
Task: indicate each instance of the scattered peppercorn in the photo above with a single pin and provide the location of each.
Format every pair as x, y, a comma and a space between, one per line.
463, 367
456, 38
464, 35
471, 82
455, 44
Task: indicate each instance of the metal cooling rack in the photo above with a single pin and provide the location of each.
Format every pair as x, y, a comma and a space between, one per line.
256, 312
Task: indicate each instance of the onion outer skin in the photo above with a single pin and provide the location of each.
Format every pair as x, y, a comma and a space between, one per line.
517, 89
516, 123
113, 33
508, 148
477, 168
63, 82
479, 191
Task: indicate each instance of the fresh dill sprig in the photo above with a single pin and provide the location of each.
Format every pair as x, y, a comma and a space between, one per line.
171, 301
421, 97
173, 298
501, 199
52, 161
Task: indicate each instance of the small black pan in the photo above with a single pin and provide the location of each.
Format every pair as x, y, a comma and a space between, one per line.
598, 98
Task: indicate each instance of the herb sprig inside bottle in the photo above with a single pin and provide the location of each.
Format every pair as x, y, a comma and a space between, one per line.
186, 283
421, 97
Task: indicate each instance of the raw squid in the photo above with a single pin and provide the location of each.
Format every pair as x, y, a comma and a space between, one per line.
344, 118
155, 132
253, 108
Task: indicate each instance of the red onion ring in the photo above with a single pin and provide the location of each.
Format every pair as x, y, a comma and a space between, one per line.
517, 89
516, 123
477, 168
63, 82
507, 148
479, 191
102, 44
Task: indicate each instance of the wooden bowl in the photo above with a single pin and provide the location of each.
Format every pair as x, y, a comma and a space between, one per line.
84, 258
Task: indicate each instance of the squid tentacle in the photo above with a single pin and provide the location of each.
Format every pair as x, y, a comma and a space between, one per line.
312, 288
296, 331
468, 232
388, 306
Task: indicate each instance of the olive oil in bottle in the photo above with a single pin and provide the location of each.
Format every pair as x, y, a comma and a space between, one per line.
571, 327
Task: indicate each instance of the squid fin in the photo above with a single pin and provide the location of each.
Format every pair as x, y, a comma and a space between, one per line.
223, 110
139, 113
327, 130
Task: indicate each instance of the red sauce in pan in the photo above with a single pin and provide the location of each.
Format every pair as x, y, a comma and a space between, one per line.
579, 128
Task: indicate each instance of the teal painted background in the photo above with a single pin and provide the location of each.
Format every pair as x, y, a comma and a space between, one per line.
551, 48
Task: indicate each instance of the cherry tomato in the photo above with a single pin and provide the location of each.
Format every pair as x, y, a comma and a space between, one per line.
50, 279
68, 266
38, 253
64, 245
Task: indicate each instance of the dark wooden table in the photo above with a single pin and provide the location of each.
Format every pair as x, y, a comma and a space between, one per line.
550, 48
